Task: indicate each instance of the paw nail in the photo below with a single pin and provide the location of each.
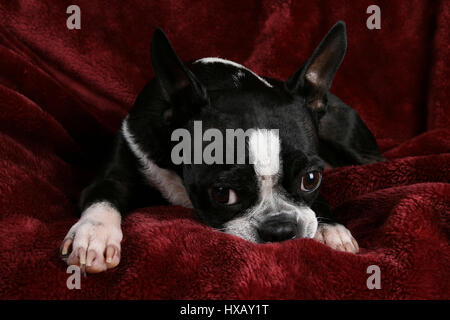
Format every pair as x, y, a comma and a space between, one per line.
65, 247
90, 257
110, 253
82, 255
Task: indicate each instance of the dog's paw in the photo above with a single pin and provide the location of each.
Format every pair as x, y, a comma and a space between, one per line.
94, 240
337, 237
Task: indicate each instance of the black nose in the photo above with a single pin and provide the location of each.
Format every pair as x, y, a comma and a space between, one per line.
278, 228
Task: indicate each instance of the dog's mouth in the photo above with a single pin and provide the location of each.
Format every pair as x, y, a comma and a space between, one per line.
279, 229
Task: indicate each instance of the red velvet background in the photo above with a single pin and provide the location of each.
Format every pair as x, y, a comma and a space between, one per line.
64, 92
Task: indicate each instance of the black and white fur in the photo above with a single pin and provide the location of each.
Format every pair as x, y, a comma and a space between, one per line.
264, 201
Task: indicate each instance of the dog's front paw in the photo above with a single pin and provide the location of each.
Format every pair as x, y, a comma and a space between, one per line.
337, 237
94, 239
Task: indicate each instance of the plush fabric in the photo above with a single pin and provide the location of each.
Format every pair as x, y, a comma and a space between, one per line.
63, 94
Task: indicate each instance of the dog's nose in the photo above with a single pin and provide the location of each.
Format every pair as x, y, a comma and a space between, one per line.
278, 228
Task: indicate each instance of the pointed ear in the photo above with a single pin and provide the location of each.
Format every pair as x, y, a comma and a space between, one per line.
175, 79
314, 79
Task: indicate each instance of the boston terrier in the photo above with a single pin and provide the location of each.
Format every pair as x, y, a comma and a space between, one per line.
298, 129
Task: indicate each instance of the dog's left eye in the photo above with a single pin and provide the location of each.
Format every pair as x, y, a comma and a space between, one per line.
311, 181
223, 195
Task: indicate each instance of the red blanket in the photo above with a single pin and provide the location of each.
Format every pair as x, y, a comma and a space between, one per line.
64, 92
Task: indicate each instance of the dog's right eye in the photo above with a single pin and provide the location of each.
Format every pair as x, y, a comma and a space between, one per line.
311, 181
223, 195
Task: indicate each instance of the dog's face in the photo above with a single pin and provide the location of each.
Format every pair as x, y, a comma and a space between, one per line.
267, 197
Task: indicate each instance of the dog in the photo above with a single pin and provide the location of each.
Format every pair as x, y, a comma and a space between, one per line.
298, 128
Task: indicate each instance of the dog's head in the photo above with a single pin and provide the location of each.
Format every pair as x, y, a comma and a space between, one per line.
266, 192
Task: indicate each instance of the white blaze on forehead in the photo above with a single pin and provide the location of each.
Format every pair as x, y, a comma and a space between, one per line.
234, 64
264, 149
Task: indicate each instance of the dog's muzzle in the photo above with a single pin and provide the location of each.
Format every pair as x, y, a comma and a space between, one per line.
278, 228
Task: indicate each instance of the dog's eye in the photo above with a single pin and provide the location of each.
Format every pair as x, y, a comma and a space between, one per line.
311, 181
223, 195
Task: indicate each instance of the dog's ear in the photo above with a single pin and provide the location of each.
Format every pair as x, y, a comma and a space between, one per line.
179, 86
344, 138
314, 79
